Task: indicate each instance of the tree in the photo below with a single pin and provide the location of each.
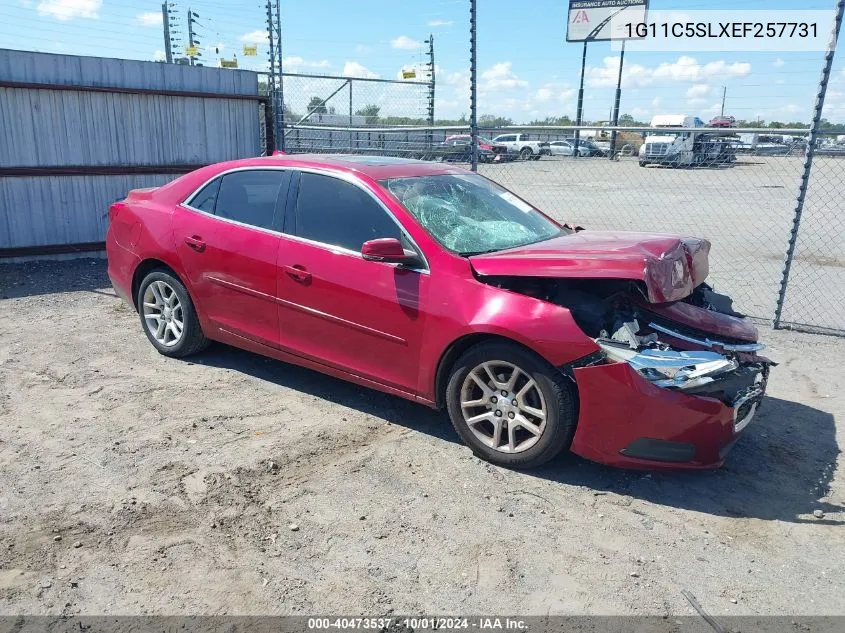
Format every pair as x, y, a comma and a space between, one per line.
552, 120
370, 112
492, 121
317, 105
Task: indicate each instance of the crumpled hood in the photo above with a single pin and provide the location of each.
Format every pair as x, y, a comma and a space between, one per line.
670, 266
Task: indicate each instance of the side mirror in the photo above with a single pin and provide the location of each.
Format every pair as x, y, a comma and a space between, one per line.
387, 249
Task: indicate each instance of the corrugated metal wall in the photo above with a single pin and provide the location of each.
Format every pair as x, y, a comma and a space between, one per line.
44, 128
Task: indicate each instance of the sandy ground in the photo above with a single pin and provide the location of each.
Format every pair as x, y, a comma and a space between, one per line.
132, 483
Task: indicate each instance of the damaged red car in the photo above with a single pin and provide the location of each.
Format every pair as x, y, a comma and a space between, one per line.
435, 284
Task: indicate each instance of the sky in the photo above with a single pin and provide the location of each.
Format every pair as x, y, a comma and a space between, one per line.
526, 69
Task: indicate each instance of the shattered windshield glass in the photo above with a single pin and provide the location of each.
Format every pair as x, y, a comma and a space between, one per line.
469, 214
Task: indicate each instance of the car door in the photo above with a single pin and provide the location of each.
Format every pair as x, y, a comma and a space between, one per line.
227, 240
361, 316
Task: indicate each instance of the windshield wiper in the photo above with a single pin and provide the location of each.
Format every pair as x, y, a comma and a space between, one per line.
473, 253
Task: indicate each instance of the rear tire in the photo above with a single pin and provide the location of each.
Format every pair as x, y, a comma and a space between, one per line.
168, 316
525, 438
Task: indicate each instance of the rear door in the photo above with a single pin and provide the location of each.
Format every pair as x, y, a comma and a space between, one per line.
227, 239
361, 316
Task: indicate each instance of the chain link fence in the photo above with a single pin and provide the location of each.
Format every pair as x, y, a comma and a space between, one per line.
775, 218
737, 188
739, 196
326, 114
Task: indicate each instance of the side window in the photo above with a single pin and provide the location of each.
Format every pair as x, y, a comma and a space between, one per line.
331, 211
250, 196
206, 197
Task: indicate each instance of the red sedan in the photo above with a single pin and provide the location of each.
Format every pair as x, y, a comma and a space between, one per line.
435, 284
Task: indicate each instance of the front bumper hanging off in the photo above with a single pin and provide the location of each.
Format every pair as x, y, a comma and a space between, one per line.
663, 408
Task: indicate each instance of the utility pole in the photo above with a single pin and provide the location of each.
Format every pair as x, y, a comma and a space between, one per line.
430, 64
724, 94
473, 110
191, 41
275, 79
165, 20
615, 120
431, 80
580, 108
172, 39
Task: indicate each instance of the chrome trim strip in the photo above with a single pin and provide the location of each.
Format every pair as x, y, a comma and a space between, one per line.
237, 287
340, 175
341, 321
728, 347
313, 312
231, 221
739, 425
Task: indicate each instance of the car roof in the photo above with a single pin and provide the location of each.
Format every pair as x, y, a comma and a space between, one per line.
375, 167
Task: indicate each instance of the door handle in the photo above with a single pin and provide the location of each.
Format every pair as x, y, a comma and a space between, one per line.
298, 272
195, 242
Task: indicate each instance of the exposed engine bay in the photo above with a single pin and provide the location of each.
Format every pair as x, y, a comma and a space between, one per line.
699, 345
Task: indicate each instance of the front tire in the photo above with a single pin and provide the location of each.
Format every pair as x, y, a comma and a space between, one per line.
168, 316
525, 153
510, 406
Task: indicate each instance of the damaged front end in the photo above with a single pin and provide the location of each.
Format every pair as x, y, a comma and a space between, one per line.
673, 383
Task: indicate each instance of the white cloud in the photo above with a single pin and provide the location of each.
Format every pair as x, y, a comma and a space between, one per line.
543, 95
501, 77
151, 18
159, 56
655, 103
405, 43
363, 49
792, 108
684, 69
293, 63
440, 22
255, 37
778, 63
354, 69
69, 9
640, 113
696, 91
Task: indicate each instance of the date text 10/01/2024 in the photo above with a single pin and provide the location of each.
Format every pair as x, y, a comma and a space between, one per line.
418, 623
736, 30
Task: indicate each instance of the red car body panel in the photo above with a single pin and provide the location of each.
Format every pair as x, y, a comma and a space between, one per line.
671, 267
699, 318
389, 327
617, 407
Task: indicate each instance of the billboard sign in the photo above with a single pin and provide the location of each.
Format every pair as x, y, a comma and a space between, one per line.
603, 20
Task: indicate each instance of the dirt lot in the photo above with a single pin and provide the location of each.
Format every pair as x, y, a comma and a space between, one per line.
132, 483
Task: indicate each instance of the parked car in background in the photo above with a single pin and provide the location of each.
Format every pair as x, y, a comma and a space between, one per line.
586, 147
523, 146
432, 283
723, 121
565, 148
488, 151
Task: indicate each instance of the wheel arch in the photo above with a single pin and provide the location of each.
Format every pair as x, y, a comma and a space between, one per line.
145, 268
461, 345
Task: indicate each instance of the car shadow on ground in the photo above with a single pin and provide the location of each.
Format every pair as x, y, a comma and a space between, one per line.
779, 470
392, 409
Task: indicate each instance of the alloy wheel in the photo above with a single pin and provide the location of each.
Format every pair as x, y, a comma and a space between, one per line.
503, 406
163, 314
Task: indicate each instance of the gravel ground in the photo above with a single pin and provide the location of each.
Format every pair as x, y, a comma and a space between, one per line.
133, 484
